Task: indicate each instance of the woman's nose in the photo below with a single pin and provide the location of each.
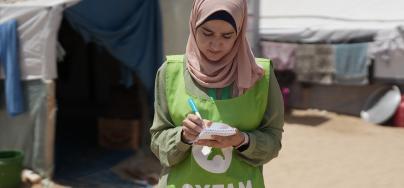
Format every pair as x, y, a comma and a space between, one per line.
215, 45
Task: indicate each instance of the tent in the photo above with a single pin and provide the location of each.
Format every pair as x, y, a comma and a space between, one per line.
328, 21
377, 24
39, 23
33, 130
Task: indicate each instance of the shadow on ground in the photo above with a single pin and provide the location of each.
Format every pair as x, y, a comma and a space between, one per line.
305, 119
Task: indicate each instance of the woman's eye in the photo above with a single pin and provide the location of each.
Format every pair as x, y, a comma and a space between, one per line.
227, 36
207, 34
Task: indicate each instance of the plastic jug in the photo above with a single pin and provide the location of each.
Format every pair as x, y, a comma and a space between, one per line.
399, 115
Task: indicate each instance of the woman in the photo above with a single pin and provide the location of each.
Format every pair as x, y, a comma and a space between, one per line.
228, 85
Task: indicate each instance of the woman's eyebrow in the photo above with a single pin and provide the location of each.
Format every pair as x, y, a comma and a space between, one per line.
206, 29
228, 33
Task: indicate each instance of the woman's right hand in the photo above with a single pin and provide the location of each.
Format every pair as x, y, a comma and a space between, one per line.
192, 125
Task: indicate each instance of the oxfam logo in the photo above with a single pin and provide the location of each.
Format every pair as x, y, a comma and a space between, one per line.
218, 161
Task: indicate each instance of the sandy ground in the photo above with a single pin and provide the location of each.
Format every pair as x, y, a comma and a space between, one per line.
327, 150
323, 149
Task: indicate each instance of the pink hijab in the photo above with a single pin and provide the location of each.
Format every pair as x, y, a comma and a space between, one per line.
238, 66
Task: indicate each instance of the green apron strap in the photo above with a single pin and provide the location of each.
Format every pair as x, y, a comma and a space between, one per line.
226, 93
212, 93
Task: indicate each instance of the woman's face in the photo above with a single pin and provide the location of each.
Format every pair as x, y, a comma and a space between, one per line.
215, 39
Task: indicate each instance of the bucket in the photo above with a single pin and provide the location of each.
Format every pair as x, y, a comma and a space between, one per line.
399, 116
10, 169
381, 104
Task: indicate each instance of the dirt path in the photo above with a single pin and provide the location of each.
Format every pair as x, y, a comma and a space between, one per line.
327, 150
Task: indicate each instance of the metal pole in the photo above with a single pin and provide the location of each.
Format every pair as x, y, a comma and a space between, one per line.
253, 28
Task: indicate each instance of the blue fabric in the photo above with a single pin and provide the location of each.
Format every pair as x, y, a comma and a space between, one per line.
351, 62
126, 77
9, 60
129, 29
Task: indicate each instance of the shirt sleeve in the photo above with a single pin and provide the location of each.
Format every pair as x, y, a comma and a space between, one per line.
166, 141
265, 142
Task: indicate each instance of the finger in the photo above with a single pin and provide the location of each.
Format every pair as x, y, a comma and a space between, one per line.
189, 134
189, 131
202, 142
221, 141
207, 123
215, 144
219, 138
191, 125
210, 143
189, 137
194, 118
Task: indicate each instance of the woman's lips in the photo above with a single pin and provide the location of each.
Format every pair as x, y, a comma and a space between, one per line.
213, 52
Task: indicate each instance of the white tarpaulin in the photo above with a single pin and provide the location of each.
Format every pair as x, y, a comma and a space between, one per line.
38, 25
328, 21
33, 131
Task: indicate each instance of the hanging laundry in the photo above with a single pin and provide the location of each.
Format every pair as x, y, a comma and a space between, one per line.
283, 55
315, 63
388, 53
351, 63
38, 26
9, 60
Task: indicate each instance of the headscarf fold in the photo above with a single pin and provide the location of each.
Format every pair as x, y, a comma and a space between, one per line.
238, 66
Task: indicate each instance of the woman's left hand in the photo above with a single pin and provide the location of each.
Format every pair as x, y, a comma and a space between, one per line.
223, 141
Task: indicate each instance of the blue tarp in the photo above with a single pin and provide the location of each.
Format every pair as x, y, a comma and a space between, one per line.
129, 29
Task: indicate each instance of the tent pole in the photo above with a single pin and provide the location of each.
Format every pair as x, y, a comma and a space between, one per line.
254, 19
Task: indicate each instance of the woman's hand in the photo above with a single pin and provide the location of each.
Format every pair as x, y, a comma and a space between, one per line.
192, 125
223, 141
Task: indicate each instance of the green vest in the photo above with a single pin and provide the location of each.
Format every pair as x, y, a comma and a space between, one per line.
223, 167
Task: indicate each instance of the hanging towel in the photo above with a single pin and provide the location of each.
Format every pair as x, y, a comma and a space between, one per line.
315, 63
283, 55
351, 63
9, 61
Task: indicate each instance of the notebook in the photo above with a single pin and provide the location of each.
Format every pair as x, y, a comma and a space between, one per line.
219, 129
